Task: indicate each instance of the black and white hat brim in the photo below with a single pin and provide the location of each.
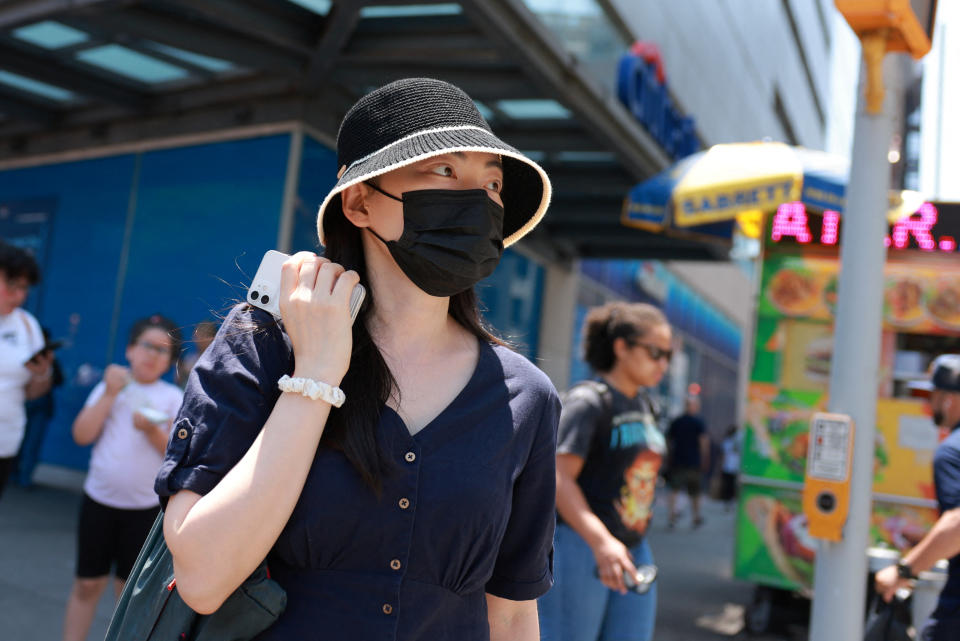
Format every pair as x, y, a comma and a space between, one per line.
526, 187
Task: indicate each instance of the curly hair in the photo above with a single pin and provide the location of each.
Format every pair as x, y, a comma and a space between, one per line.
18, 263
607, 323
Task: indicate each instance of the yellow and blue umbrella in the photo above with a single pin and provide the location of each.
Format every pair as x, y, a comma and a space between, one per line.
711, 188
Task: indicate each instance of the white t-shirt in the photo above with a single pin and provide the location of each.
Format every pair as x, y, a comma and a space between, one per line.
20, 338
123, 463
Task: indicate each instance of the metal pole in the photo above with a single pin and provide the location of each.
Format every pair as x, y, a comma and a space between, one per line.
841, 568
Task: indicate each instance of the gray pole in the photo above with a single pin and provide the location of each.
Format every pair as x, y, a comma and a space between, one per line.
841, 568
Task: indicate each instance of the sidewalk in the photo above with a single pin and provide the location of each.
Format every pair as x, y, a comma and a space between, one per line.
697, 598
698, 601
38, 533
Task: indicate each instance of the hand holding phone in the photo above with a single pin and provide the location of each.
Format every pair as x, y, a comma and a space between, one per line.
46, 349
646, 575
264, 293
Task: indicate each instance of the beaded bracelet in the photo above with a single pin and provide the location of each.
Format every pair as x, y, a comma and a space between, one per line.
312, 389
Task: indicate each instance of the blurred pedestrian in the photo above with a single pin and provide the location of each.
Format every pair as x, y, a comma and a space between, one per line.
39, 413
943, 541
203, 335
127, 417
729, 466
688, 447
399, 472
26, 369
608, 455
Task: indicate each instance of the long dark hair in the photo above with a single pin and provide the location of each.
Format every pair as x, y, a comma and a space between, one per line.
369, 381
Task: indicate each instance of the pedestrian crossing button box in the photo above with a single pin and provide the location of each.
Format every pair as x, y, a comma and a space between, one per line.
826, 489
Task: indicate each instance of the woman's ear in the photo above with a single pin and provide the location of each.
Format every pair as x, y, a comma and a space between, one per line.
620, 348
353, 203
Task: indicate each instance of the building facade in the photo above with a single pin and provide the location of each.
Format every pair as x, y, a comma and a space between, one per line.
153, 193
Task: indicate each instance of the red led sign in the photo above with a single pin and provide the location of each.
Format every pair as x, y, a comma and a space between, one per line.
934, 227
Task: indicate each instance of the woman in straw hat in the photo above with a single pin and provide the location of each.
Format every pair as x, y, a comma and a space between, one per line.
423, 507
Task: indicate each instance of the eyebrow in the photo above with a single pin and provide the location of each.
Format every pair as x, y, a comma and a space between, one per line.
491, 163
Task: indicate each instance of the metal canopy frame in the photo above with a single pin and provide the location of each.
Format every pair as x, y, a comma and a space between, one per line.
289, 64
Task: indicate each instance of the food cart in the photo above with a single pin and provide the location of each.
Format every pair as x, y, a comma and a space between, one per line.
789, 381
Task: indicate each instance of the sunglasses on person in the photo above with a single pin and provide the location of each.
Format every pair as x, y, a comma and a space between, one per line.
654, 352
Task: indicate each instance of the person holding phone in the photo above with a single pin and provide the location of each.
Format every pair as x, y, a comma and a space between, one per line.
608, 457
39, 413
398, 474
26, 367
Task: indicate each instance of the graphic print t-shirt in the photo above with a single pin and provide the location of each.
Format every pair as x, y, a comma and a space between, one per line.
622, 450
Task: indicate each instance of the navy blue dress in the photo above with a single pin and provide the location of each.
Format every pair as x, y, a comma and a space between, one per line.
468, 510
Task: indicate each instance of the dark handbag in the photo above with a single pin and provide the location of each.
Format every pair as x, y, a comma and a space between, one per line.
150, 608
888, 621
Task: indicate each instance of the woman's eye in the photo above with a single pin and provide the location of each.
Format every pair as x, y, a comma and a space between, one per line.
494, 185
443, 170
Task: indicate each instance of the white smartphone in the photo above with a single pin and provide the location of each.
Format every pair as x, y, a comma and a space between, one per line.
264, 292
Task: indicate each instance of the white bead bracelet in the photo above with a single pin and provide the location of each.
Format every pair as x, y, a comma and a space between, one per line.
312, 389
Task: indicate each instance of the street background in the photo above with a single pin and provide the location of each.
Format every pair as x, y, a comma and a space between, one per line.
131, 130
697, 600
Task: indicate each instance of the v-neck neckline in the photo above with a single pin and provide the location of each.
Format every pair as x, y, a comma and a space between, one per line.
485, 349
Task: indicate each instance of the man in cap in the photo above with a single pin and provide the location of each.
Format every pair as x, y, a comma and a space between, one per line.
943, 541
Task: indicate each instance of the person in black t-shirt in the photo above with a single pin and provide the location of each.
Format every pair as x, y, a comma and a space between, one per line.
689, 456
609, 452
943, 541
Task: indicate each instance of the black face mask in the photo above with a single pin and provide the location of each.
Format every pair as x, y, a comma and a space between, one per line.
452, 238
938, 418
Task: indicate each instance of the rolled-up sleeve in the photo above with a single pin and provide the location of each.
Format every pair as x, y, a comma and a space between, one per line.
524, 566
229, 396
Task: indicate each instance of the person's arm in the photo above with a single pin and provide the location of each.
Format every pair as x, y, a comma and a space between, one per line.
219, 538
942, 542
158, 435
512, 620
89, 422
611, 555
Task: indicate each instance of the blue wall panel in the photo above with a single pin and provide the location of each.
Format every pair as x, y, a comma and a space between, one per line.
318, 175
511, 300
204, 217
79, 283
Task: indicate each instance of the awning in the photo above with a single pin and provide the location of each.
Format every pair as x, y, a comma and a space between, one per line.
81, 76
729, 181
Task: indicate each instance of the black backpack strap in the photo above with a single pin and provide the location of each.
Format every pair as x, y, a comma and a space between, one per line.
602, 390
652, 405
